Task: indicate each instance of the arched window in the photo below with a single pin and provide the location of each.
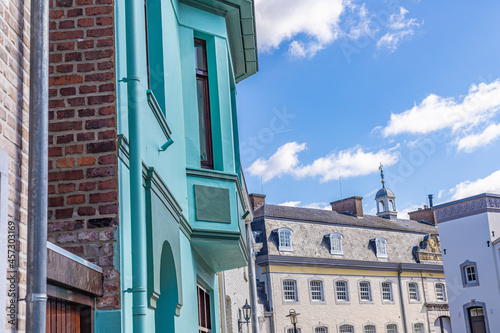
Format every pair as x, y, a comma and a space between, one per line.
290, 290
336, 243
381, 247
316, 287
391, 328
391, 205
321, 330
413, 291
285, 239
342, 291
346, 329
418, 328
381, 206
369, 329
440, 292
386, 291
365, 291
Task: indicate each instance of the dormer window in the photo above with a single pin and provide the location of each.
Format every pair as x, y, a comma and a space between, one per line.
381, 247
285, 239
336, 243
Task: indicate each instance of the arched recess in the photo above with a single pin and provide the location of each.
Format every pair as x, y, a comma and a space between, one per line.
442, 325
166, 304
391, 205
381, 206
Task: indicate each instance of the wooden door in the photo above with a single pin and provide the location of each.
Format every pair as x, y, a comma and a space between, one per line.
476, 318
67, 317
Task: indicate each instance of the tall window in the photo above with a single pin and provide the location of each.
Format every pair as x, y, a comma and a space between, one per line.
206, 152
290, 290
204, 318
285, 239
440, 292
341, 290
321, 330
336, 244
380, 244
391, 328
316, 290
418, 328
470, 274
386, 291
369, 329
364, 291
413, 291
346, 329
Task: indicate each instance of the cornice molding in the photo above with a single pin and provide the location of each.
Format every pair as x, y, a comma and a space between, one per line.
465, 208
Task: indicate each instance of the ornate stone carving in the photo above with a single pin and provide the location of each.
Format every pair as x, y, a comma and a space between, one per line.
470, 207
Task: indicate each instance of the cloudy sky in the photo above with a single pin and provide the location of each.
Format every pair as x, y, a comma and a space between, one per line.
346, 85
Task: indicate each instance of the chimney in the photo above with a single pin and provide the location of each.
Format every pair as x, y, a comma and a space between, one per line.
430, 200
257, 200
426, 214
352, 205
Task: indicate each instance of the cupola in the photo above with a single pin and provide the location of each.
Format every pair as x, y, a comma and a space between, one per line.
386, 200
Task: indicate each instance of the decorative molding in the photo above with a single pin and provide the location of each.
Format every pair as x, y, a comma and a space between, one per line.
123, 149
158, 113
437, 306
467, 207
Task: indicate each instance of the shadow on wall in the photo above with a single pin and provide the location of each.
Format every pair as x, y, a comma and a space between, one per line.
167, 302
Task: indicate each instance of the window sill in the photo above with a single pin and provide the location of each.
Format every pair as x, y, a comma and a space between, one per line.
285, 249
342, 302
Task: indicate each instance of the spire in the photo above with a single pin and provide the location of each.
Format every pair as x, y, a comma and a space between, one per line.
381, 168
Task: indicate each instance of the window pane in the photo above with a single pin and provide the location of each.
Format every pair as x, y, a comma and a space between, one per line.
290, 290
369, 329
386, 291
204, 320
201, 89
470, 273
392, 329
440, 295
336, 243
346, 329
364, 290
201, 61
317, 290
321, 330
413, 289
341, 287
285, 238
418, 328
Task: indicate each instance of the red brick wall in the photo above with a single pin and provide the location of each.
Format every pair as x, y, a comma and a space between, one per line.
352, 204
423, 214
83, 183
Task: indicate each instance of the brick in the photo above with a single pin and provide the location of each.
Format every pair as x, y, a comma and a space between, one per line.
65, 175
55, 14
105, 222
65, 188
62, 35
92, 100
77, 250
75, 199
108, 159
87, 186
67, 237
51, 189
98, 10
107, 185
63, 114
65, 126
106, 87
64, 3
86, 136
66, 24
65, 46
55, 151
86, 211
73, 56
89, 160
64, 213
89, 236
104, 43
105, 261
66, 80
54, 58
77, 101
101, 147
104, 20
74, 149
106, 235
65, 162
65, 138
65, 226
107, 110
99, 123
85, 44
102, 197
106, 302
98, 54
86, 113
104, 135
108, 209
74, 12
56, 103
69, 91
56, 201
100, 32
101, 172
65, 68
87, 89
85, 22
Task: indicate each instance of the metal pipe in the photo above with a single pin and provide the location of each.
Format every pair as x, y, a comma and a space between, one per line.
138, 223
403, 312
253, 281
36, 293
425, 301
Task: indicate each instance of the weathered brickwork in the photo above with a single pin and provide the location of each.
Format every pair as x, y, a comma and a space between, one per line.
83, 183
14, 135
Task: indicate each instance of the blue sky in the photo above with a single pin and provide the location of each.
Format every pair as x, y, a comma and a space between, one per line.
345, 85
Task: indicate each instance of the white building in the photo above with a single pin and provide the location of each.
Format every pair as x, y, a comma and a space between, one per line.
470, 241
346, 272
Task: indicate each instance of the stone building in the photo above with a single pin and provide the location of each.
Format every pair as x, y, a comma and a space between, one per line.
346, 272
470, 239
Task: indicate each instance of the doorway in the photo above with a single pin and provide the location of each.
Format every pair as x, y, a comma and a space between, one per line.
476, 320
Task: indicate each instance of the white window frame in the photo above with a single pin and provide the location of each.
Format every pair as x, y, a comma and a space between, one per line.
466, 274
415, 328
364, 293
336, 238
346, 291
470, 274
321, 329
311, 291
350, 327
440, 294
392, 327
381, 247
294, 290
290, 330
285, 247
391, 299
4, 183
372, 328
410, 292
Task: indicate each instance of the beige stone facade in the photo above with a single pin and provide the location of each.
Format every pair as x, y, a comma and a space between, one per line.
303, 275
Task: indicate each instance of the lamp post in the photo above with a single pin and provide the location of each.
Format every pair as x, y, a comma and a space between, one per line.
293, 318
247, 309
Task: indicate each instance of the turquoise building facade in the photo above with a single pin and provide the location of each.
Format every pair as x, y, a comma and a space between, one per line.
181, 221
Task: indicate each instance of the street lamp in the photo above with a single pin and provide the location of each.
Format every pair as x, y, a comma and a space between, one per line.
293, 318
247, 309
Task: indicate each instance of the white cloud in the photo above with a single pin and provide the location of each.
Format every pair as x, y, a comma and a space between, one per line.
489, 184
347, 163
437, 113
403, 214
315, 205
473, 141
399, 29
282, 20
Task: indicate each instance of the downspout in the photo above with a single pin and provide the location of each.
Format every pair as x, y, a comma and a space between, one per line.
403, 313
425, 297
138, 224
269, 294
253, 281
36, 293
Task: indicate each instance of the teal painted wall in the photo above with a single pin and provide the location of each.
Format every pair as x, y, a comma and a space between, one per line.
174, 51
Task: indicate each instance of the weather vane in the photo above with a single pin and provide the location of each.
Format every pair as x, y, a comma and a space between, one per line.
381, 168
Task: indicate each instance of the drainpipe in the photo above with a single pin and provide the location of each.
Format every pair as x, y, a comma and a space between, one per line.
139, 255
425, 302
403, 313
36, 293
269, 294
253, 281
